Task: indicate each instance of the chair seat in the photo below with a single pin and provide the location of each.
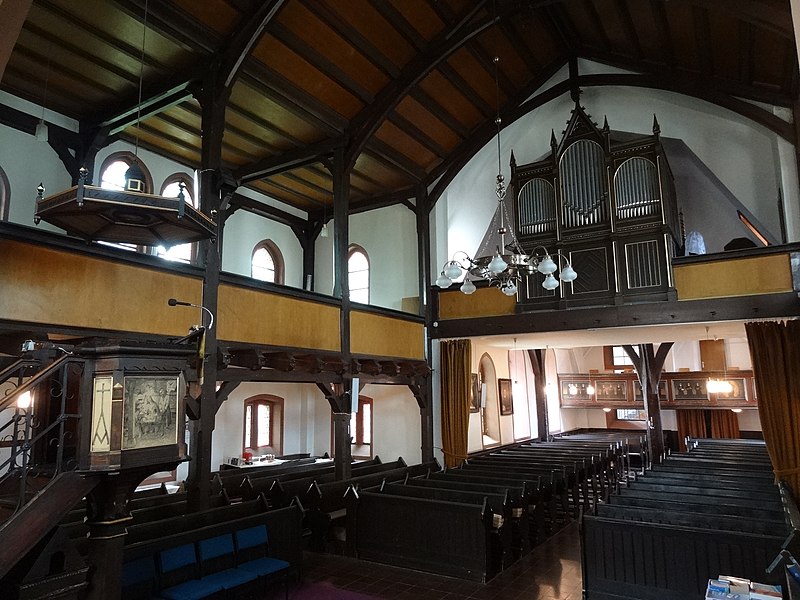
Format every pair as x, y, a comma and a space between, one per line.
194, 589
265, 566
231, 578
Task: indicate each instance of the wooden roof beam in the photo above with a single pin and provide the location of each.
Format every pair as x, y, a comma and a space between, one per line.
364, 125
298, 157
267, 211
665, 38
629, 27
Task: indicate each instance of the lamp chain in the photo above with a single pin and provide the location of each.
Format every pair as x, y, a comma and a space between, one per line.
141, 77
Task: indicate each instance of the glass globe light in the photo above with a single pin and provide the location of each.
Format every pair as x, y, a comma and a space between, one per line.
497, 265
468, 287
509, 288
568, 274
452, 270
444, 281
550, 282
547, 266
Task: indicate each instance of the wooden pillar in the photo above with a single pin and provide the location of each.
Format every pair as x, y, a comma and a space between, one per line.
537, 358
107, 516
213, 99
424, 394
649, 365
341, 289
308, 242
338, 396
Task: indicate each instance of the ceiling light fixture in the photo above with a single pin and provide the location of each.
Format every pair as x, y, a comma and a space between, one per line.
510, 263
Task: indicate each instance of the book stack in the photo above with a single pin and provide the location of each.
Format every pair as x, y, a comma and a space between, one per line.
736, 588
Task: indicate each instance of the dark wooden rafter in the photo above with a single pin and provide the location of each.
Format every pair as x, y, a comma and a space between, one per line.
43, 61
383, 201
173, 23
364, 125
766, 14
594, 16
268, 212
154, 101
394, 159
663, 30
745, 53
510, 31
292, 159
702, 40
418, 135
629, 26
320, 62
562, 32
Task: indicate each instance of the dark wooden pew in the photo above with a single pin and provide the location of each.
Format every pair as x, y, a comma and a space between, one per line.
508, 532
448, 538
539, 496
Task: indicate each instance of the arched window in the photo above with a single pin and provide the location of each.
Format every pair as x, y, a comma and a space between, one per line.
112, 171
358, 274
5, 196
112, 177
361, 429
263, 424
267, 262
185, 253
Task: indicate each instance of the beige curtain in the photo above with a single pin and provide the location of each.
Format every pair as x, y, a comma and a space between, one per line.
456, 361
775, 354
691, 423
724, 425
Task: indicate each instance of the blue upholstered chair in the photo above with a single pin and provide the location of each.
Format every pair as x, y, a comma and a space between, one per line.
179, 576
138, 578
218, 565
252, 548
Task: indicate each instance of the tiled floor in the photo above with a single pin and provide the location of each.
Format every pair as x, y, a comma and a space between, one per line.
552, 571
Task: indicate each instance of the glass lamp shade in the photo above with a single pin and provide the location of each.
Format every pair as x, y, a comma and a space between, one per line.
452, 270
444, 281
468, 287
547, 266
568, 274
509, 288
550, 282
497, 264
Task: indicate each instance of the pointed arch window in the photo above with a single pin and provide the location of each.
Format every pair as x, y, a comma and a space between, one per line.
263, 424
171, 188
358, 274
267, 262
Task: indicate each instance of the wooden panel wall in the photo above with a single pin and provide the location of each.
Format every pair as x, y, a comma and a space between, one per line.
385, 336
260, 317
770, 274
485, 302
49, 286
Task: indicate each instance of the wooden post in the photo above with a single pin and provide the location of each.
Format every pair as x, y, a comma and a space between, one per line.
537, 358
425, 389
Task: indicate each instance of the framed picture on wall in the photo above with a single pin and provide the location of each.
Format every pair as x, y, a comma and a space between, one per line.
506, 398
475, 394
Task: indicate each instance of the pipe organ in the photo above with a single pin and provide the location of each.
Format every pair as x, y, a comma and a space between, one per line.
606, 203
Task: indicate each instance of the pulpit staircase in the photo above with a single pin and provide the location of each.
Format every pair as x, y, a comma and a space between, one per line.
39, 420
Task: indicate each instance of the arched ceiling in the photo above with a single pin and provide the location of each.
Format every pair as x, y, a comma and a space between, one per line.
406, 88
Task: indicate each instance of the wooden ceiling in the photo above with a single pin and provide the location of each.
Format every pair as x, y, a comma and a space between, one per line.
406, 87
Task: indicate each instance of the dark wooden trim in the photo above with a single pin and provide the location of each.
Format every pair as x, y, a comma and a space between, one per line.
265, 210
735, 254
656, 313
155, 100
292, 159
173, 23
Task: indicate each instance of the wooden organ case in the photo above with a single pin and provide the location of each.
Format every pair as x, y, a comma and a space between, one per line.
609, 206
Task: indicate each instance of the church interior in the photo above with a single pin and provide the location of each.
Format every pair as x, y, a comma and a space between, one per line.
399, 299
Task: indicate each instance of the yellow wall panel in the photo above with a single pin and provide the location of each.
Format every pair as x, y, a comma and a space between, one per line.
769, 274
261, 317
379, 335
485, 302
42, 285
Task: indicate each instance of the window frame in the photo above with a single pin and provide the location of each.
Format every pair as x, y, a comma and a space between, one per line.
277, 260
5, 196
358, 439
352, 250
610, 363
188, 180
128, 157
276, 424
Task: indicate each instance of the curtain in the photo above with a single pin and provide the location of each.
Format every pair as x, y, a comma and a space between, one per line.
724, 424
456, 360
691, 423
775, 354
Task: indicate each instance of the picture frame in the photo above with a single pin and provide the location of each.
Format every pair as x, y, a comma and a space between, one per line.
506, 397
475, 394
150, 411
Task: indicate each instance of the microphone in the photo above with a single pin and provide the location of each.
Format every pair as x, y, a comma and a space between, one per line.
175, 302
